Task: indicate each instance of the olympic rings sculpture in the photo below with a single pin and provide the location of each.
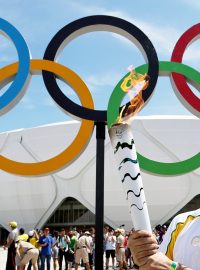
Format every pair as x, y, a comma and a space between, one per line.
50, 70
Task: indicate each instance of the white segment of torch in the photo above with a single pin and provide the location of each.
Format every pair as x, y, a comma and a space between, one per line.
127, 163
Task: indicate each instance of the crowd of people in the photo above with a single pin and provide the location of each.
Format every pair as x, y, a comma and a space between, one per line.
67, 249
38, 247
174, 248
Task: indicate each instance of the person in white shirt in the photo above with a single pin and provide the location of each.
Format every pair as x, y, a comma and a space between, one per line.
81, 251
120, 249
12, 238
90, 251
26, 252
179, 250
110, 246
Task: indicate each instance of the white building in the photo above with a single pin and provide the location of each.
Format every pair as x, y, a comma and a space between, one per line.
32, 200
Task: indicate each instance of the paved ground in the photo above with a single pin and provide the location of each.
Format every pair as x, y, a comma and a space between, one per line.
3, 257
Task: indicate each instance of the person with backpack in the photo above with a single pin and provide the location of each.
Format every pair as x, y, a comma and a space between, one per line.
63, 245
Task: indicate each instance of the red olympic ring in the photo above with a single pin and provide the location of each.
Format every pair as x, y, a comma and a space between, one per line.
179, 80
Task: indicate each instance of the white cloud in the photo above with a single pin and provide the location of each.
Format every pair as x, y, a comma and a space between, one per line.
163, 37
48, 102
4, 59
193, 3
7, 50
30, 106
27, 103
192, 54
96, 82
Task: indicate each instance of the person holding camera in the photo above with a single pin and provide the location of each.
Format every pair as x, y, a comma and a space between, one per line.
110, 246
63, 243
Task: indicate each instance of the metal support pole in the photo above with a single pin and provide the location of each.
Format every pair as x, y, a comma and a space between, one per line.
99, 213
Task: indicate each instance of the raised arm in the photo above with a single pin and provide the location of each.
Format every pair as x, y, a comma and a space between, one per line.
144, 249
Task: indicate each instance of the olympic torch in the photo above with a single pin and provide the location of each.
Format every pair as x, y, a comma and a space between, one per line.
125, 151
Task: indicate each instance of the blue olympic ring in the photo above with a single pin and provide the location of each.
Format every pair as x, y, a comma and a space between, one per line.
15, 91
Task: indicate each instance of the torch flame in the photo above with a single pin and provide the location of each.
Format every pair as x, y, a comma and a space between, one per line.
133, 84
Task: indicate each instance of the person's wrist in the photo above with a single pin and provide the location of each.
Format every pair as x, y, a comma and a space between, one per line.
174, 266
178, 266
182, 267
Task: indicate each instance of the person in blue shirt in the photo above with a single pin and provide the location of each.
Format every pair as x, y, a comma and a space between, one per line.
46, 242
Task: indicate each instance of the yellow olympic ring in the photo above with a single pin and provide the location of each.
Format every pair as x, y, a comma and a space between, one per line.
77, 146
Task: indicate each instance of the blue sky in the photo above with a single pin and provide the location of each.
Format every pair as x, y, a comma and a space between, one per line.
100, 58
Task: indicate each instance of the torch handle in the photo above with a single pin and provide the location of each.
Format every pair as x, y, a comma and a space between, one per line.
129, 170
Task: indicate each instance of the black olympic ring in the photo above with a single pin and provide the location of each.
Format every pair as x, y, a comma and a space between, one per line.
90, 24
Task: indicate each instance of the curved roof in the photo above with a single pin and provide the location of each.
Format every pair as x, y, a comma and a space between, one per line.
31, 200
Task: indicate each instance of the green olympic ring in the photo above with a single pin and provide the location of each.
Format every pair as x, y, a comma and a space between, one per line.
160, 168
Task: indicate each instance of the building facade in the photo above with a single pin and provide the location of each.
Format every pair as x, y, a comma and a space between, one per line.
32, 201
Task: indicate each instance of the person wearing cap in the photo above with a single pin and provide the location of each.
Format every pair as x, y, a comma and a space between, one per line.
23, 237
33, 240
26, 252
90, 250
12, 238
120, 249
46, 242
63, 243
81, 251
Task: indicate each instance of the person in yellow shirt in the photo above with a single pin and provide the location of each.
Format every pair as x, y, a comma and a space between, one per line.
22, 236
33, 239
